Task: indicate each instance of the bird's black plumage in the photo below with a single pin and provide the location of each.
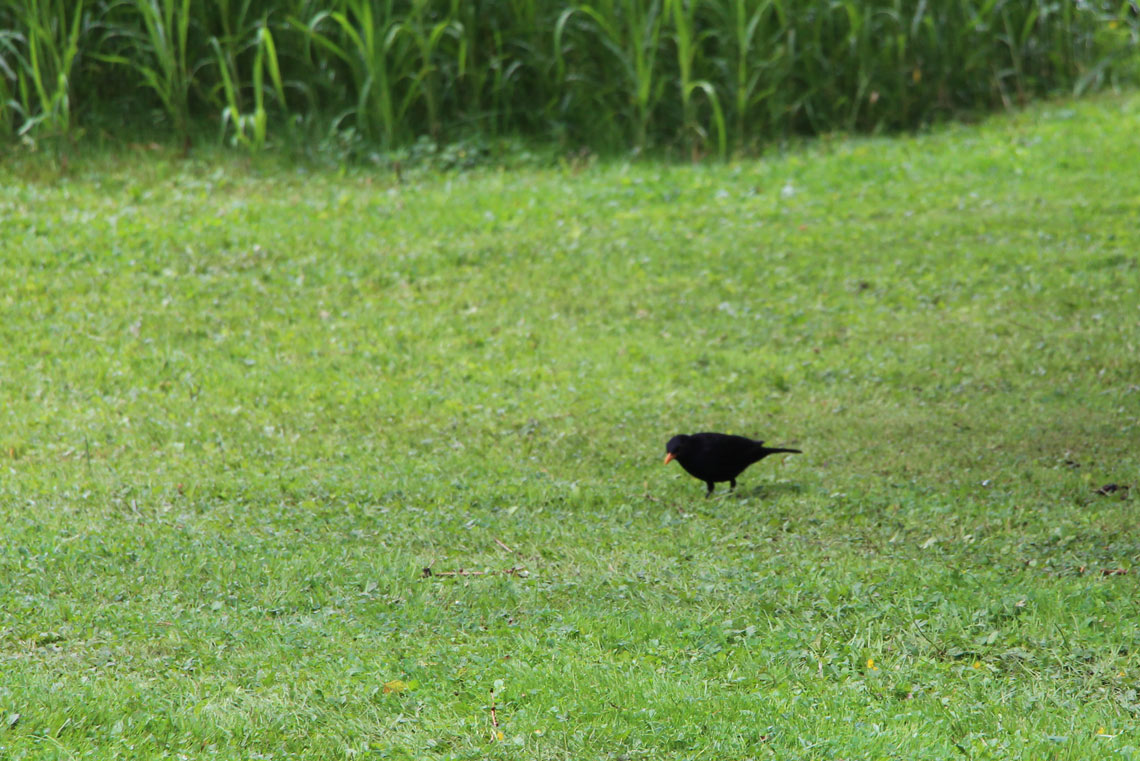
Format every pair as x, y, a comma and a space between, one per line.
714, 457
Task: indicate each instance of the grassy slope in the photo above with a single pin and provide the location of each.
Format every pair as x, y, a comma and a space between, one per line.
244, 408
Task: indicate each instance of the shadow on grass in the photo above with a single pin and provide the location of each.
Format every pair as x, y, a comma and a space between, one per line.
767, 491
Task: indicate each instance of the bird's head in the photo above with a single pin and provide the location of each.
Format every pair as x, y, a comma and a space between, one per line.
676, 447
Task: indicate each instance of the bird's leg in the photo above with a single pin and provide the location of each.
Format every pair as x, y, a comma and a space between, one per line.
732, 484
711, 487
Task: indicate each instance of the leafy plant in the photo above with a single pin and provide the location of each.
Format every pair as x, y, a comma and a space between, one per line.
630, 33
711, 76
42, 52
251, 128
376, 50
162, 62
688, 40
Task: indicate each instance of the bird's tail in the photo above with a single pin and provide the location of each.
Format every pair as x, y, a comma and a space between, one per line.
775, 450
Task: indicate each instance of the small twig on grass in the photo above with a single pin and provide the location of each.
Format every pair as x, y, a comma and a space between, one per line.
494, 716
653, 499
1022, 326
512, 571
680, 509
500, 543
940, 650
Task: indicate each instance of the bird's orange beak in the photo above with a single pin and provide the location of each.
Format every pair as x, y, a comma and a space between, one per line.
669, 458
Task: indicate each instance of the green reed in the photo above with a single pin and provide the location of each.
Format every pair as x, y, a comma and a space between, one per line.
693, 76
39, 47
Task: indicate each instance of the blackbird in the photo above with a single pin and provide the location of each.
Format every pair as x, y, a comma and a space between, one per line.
713, 457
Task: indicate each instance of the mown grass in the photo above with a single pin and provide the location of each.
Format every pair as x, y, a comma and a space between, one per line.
246, 406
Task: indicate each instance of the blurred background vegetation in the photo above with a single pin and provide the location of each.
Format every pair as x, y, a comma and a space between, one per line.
683, 77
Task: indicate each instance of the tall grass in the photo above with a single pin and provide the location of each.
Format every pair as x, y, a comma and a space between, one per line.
612, 51
161, 58
250, 129
39, 47
707, 76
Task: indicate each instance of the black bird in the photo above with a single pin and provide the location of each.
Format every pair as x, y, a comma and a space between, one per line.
713, 457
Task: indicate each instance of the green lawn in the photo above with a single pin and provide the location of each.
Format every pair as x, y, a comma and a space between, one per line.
244, 406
